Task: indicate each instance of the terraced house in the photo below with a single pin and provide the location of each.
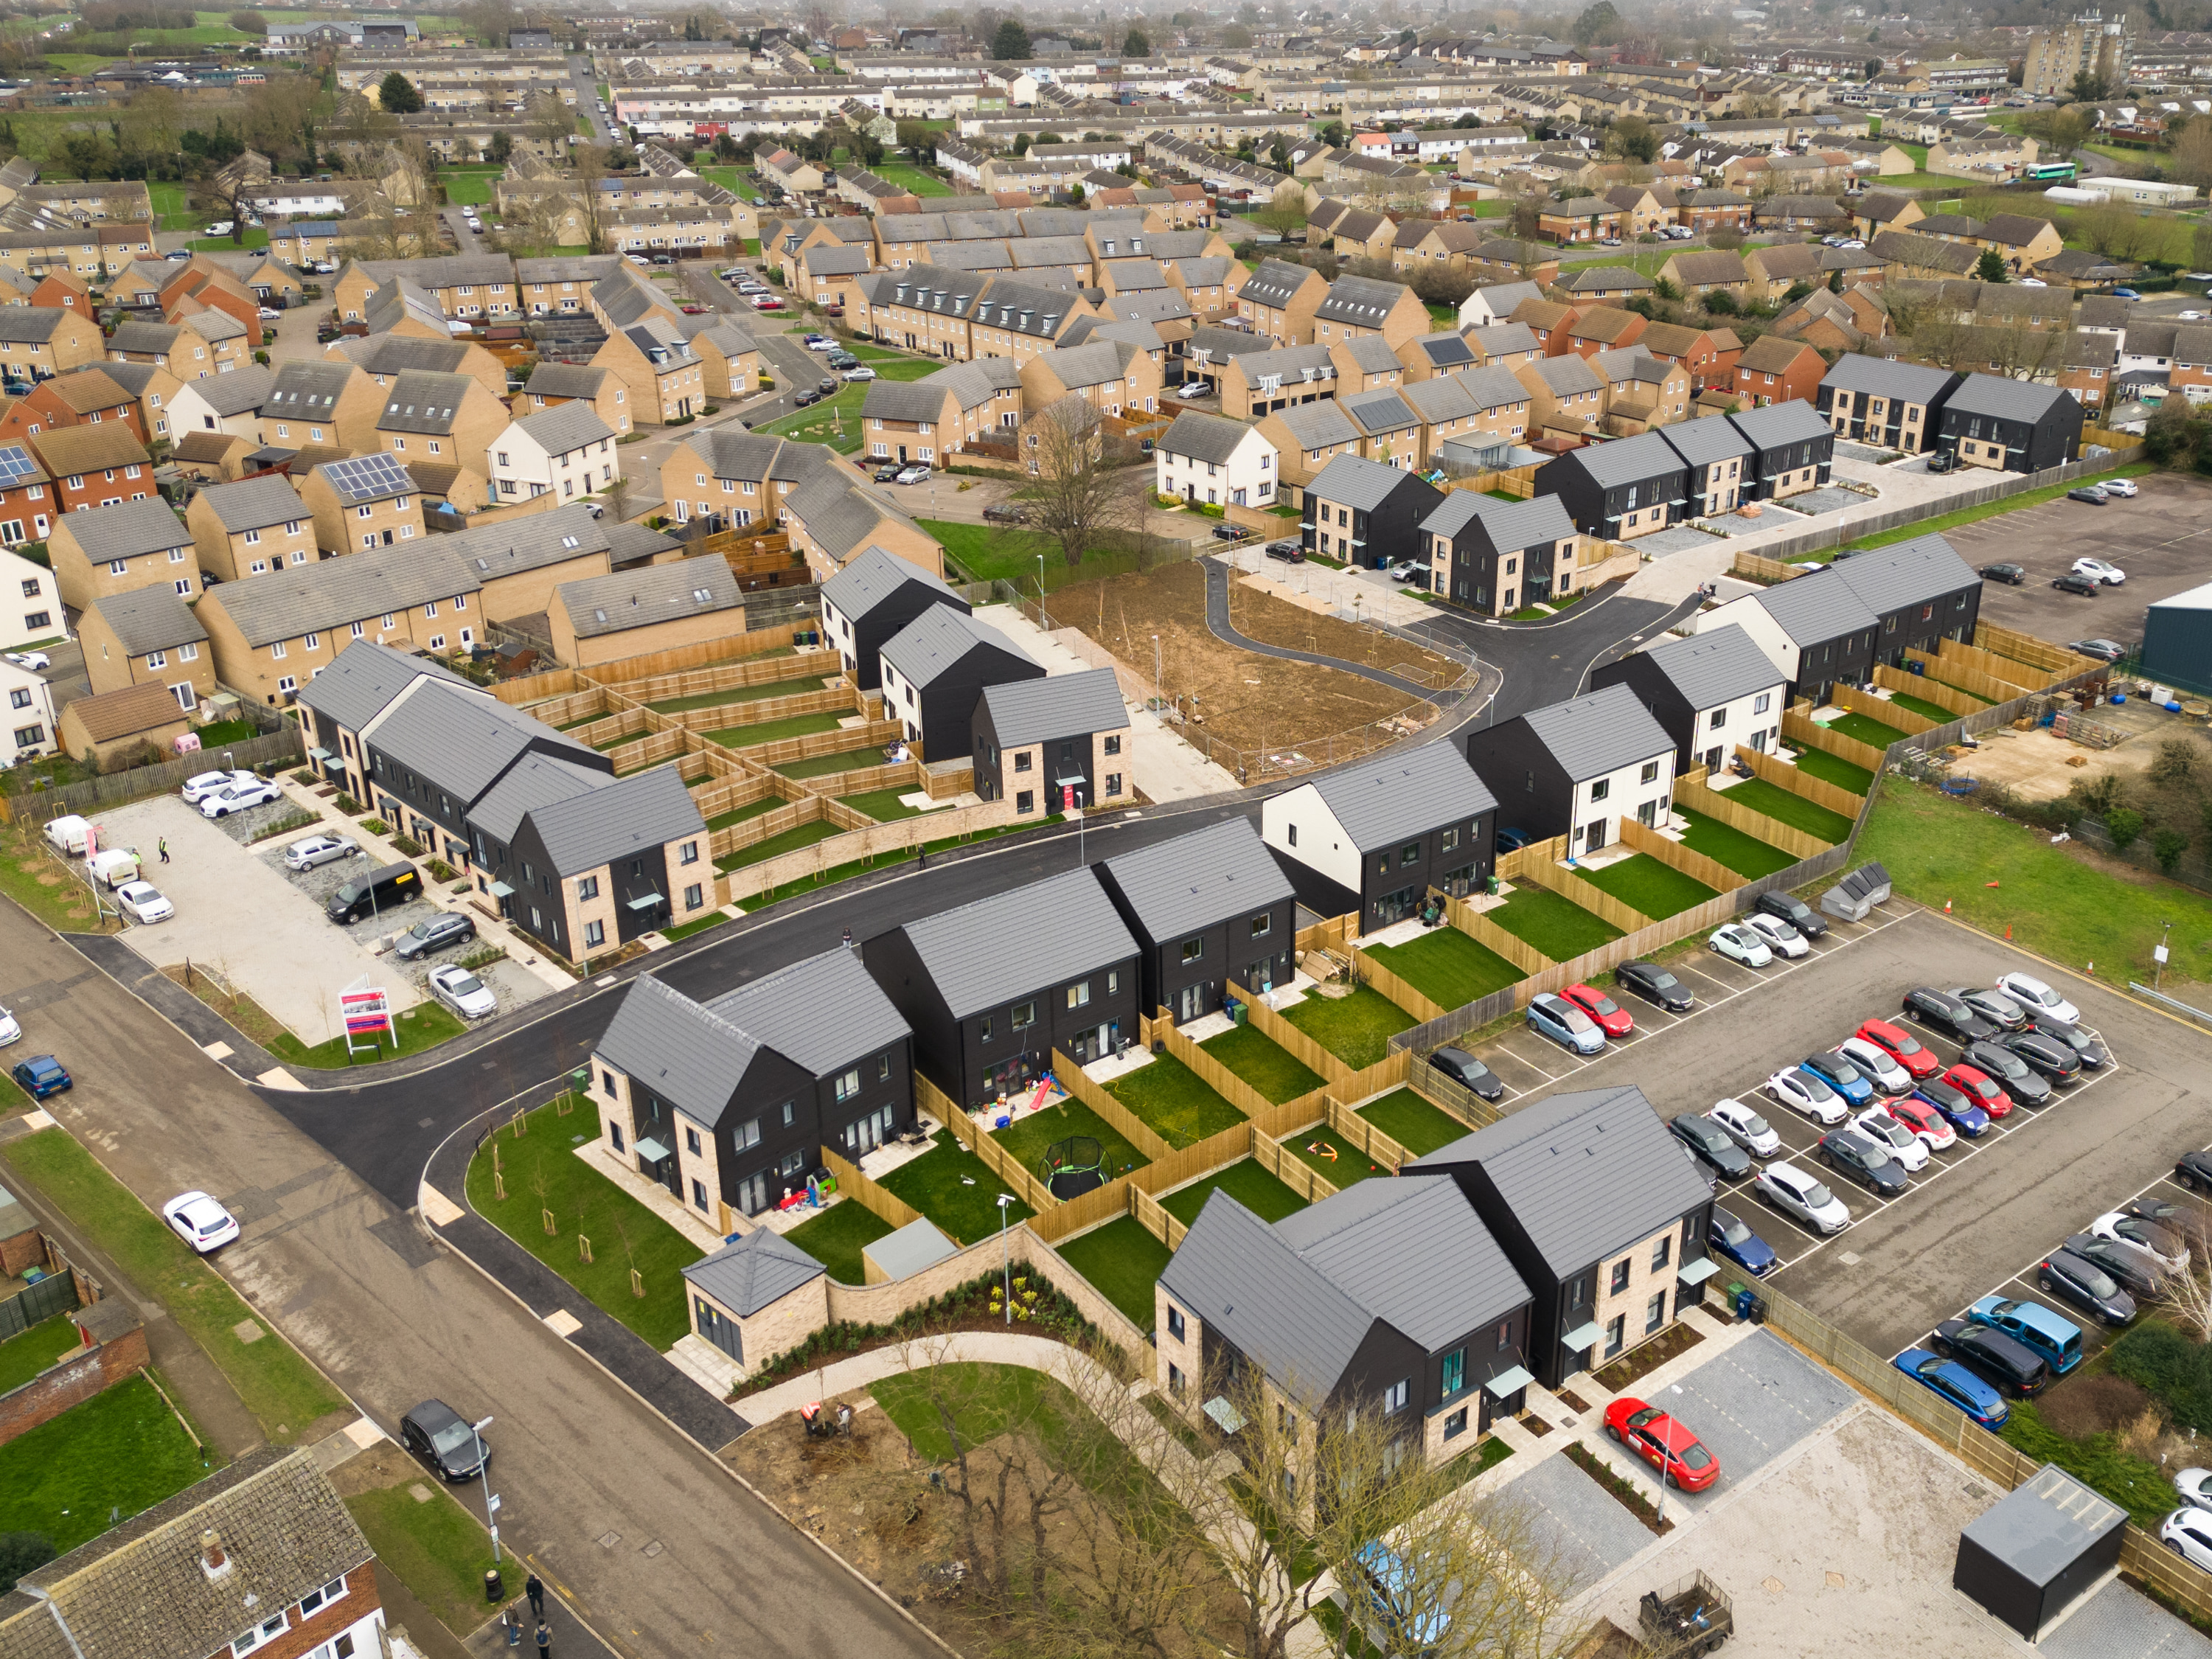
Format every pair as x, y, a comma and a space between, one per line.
146, 636
250, 527
94, 466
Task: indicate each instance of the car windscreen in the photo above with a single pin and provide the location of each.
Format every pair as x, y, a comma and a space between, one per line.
1754, 1125
1661, 980
452, 1437
1817, 1197
1816, 1086
1735, 1231
465, 985
1572, 1018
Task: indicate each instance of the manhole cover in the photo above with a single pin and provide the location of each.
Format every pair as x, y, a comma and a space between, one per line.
246, 1331
419, 1493
651, 1550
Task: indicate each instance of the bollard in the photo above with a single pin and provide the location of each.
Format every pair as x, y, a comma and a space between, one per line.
495, 1590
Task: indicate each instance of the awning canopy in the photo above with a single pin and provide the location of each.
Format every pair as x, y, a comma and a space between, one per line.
1582, 1337
1697, 1271
652, 1151
1226, 1417
319, 754
501, 890
1510, 1383
648, 902
1067, 775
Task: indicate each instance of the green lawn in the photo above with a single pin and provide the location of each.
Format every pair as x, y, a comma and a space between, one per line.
256, 238
739, 815
543, 1173
436, 1548
1778, 803
1177, 1105
423, 1026
472, 186
1749, 856
24, 1355
2007, 504
912, 178
285, 1394
1921, 707
907, 368
789, 842
837, 1236
171, 208
1558, 926
1866, 730
991, 553
743, 693
1262, 1062
1331, 1157
984, 1400
835, 421
684, 930
1412, 1122
1834, 769
97, 1463
1029, 1138
956, 1189
1244, 1181
844, 760
882, 804
1124, 1261
846, 871
1448, 967
1659, 891
1357, 1029
791, 725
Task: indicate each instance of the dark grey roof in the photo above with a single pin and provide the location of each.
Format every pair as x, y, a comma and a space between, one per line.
629, 816
1627, 460
2044, 1525
565, 428
759, 1270
1017, 943
1816, 606
1058, 706
396, 354
144, 619
939, 637
1444, 351
820, 1013
1355, 482
903, 400
1770, 426
1204, 437
1372, 354
252, 503
536, 780
681, 1050
530, 544
1709, 438
156, 338
1584, 1173
2005, 399
1361, 301
1381, 411
1274, 283
32, 324
1593, 735
873, 577
366, 676
1717, 666
1510, 526
1179, 887
566, 380
1887, 377
236, 392
1404, 793
653, 593
1906, 573
127, 530
461, 738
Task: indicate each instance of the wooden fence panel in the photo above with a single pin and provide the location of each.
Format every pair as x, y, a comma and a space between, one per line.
1211, 1072
1329, 935
731, 648
1081, 1213
1716, 804
879, 1201
898, 836
1753, 568
1610, 954
780, 820
1675, 856
2022, 677
1360, 1132
865, 780
934, 1102
726, 794
1547, 874
1415, 1002
535, 687
1001, 1163
1488, 934
1292, 1170
785, 751
2026, 647
1952, 672
1880, 708
1802, 728
1124, 1123
647, 751
1287, 1036
1448, 1096
1386, 1073
1152, 1216
1511, 865
725, 677
760, 710
1199, 1158
1783, 774
1926, 690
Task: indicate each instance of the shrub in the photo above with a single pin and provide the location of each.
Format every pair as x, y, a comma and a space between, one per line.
2173, 1368
2124, 824
375, 826
2088, 1405
2167, 845
406, 847
346, 804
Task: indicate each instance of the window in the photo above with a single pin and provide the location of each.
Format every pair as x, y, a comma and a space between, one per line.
1651, 772
746, 1135
1078, 995
1600, 790
699, 1195
1025, 801
1394, 1397
687, 853
1455, 1425
253, 1638
314, 1598
289, 684
1409, 853
587, 888
1505, 1335
1454, 1373
1025, 1016
693, 897
1619, 1276
1022, 760
1114, 745
595, 933
983, 1028
1662, 1252
1655, 1313
847, 1085
1262, 924
1616, 1335
1176, 1327
1293, 830
157, 659
691, 1142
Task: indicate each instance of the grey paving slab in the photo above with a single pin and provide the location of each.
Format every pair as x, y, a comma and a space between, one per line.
1815, 502
2119, 1621
1674, 540
1576, 1523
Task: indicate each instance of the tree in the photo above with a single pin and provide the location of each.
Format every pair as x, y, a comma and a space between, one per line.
397, 93
550, 124
1990, 267
154, 119
590, 166
1011, 43
2185, 1297
20, 1552
1596, 23
1236, 36
1872, 68
1135, 45
2087, 87
1074, 496
2193, 153
1633, 137
500, 150
249, 22
1836, 281
280, 116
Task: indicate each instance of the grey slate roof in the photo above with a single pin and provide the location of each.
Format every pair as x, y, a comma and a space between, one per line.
254, 503
1887, 377
1203, 437
1770, 426
1816, 606
566, 427
236, 392
624, 818
1510, 525
1593, 735
1372, 355
419, 401
681, 1050
127, 530
904, 400
1905, 573
1711, 438
873, 577
396, 354
1058, 706
1584, 1173
536, 780
144, 619
1712, 668
1404, 793
1493, 385
366, 676
2005, 398
1361, 301
653, 593
307, 389
313, 598
756, 1273
1179, 887
1627, 460
529, 543
1381, 411
1505, 339
154, 337
1274, 283
1017, 943
939, 638
1355, 482
461, 738
819, 1014
566, 380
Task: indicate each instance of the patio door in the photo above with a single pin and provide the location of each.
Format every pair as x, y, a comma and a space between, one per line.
1594, 836
1188, 1003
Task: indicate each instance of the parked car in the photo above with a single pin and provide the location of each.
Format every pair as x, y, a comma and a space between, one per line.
1663, 1442
200, 1221
1947, 1015
1960, 1112
143, 902
802, 399
1877, 1066
2188, 1532
2016, 1369
1840, 1074
238, 798
2056, 1340
828, 386
2193, 1169
1738, 944
2161, 1244
1005, 513
814, 342
2097, 570
1780, 937
1612, 1018
1470, 1073
1793, 910
1230, 533
1802, 1092
2012, 575
10, 1030
1194, 389
1904, 1148
1994, 1060
1802, 1198
2088, 1286
1655, 985
2081, 585
269, 314
1289, 552
2089, 493
2137, 1270
2101, 650
198, 789
1901, 1046
2052, 1060
1929, 1125
1711, 1145
915, 474
1952, 1381
441, 1437
1865, 1160
435, 933
1746, 1127
37, 661
41, 1075
1943, 460
889, 471
2195, 1486
1564, 1024
857, 376
1995, 1007
1727, 1236
1979, 1087
463, 991
310, 851
2035, 997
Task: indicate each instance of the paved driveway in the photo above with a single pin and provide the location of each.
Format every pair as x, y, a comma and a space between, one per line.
1575, 1525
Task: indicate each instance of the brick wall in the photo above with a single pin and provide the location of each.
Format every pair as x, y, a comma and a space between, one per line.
90, 1372
25, 1250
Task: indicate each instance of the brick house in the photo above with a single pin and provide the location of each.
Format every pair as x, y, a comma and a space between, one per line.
1775, 370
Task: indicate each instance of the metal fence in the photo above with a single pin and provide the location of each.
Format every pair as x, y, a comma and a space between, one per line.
281, 748
56, 1293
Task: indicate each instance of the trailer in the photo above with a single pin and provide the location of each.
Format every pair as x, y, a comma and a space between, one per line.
1693, 1615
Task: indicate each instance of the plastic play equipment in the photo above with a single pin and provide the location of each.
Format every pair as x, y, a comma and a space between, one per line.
1073, 1167
1322, 1149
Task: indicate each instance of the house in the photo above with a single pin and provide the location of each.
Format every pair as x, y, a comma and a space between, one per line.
1591, 1200
1373, 838
2011, 426
551, 386
1364, 512
221, 403
1369, 364
321, 403
1719, 459
1642, 390
1599, 285
1494, 556
566, 451
1431, 356
1773, 370
94, 467
1362, 307
147, 636
1309, 439
1792, 449
116, 727
1709, 692
250, 527
1258, 382
28, 731
34, 611
1887, 403
1709, 272
365, 502
1879, 210
39, 342
1206, 909
1703, 211
1280, 300
1775, 271
655, 608
935, 668
1604, 328
1620, 490
1053, 744
1580, 219
869, 601
110, 549
760, 1296
2088, 365
1238, 462
728, 1102
1579, 769
664, 377
1566, 396
80, 396
987, 1018
1496, 302
440, 417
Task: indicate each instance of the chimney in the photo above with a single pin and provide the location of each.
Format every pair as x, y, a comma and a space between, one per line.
213, 1561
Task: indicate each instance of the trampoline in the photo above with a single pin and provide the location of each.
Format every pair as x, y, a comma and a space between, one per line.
1073, 1167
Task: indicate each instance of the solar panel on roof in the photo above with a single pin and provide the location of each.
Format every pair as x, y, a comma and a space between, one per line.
15, 463
366, 477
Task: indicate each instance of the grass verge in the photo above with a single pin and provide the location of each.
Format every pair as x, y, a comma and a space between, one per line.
435, 1548
423, 1026
1991, 509
1175, 1102
789, 842
1122, 1262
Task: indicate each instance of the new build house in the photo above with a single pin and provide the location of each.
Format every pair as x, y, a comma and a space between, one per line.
865, 604
1576, 769
1619, 490
935, 668
2011, 426
1047, 744
1710, 692
1375, 837
1366, 513
1886, 402
1717, 458
1205, 908
1792, 449
1496, 556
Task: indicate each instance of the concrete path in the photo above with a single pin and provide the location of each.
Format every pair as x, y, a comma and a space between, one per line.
1217, 620
1010, 1347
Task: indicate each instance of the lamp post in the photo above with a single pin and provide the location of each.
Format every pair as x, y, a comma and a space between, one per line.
1043, 626
1005, 1260
1155, 673
2158, 954
491, 1504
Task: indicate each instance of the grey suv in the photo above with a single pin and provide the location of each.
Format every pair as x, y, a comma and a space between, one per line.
434, 934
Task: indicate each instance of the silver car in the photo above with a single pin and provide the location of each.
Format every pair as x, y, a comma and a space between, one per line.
1802, 1198
463, 991
312, 850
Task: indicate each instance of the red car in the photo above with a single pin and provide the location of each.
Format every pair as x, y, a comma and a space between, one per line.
1612, 1018
695, 310
1981, 1089
768, 303
1934, 1129
1662, 1441
1901, 1046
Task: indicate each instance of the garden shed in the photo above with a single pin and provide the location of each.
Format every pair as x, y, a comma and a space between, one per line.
1857, 893
2029, 1556
906, 1252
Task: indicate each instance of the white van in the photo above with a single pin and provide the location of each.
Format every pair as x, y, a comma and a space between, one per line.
115, 866
66, 835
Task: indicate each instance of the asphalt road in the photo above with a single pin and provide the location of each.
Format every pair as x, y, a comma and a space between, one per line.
587, 96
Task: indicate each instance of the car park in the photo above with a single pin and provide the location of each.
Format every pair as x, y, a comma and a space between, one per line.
1655, 985
2011, 575
1901, 1046
1995, 1007
2050, 1059
1856, 1154
441, 1437
2080, 586
1470, 1073
2016, 1369
2188, 1532
1663, 1442
200, 1221
1711, 1145
1840, 1074
41, 1075
2085, 1044
1802, 1091
2137, 1270
1981, 1089
2155, 1241
1875, 1066
1904, 1148
2089, 494
463, 991
238, 798
2009, 1073
143, 902
2035, 997
435, 933
2068, 1277
2193, 1169
2097, 570
1929, 1125
1746, 1127
198, 789
1793, 910
1802, 1198
1553, 1016
1738, 944
1781, 938
2056, 1340
1961, 1112
1947, 1015
1952, 1381
310, 851
1729, 1237
1612, 1018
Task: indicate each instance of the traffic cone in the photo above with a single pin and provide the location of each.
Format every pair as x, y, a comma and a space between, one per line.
1947, 906
2007, 933
1988, 884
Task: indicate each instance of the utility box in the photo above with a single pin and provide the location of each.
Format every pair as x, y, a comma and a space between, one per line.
1857, 893
2026, 1559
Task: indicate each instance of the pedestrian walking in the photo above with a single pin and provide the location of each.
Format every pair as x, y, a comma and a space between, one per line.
165, 849
544, 1641
848, 938
536, 1590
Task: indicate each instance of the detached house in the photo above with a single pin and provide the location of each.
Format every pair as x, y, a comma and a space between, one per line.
1710, 692
1205, 908
146, 636
1495, 557
1219, 461
1050, 744
935, 668
113, 550
1578, 769
250, 527
1366, 513
2011, 426
869, 601
567, 452
1373, 838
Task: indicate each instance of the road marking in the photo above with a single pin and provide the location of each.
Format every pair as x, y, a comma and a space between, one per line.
278, 1077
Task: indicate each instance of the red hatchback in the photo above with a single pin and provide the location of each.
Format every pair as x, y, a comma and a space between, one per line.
1981, 1089
1664, 1443
1612, 1018
1901, 1046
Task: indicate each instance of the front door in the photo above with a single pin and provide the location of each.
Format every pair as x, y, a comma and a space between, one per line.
752, 1193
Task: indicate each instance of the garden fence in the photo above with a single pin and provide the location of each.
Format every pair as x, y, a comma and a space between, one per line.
1586, 895
280, 749
1222, 1081
1413, 1001
1952, 673
1927, 690
1852, 700
1802, 728
55, 1293
1708, 872
884, 1205
1793, 780
1116, 1116
1286, 1036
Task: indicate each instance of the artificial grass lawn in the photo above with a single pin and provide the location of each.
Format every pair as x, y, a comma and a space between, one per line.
913, 178
1175, 1102
1866, 731
882, 804
425, 1025
1776, 802
436, 1549
1447, 966
1833, 769
1312, 1147
791, 725
1749, 856
1244, 1181
1926, 710
956, 1189
121, 1450
1659, 891
845, 760
1029, 1138
846, 871
1937, 849
739, 815
542, 1172
1357, 1029
285, 1394
837, 1236
791, 687
1122, 1262
789, 842
1412, 1122
1555, 925
1262, 1062
24, 1355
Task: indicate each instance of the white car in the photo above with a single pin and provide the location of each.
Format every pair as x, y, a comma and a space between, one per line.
1894, 1137
1745, 1127
640, 259
2037, 998
1738, 944
2195, 1486
238, 797
2152, 1239
2188, 1532
1781, 938
200, 1221
1802, 1198
913, 475
1879, 1068
143, 902
463, 991
2126, 487
2098, 571
220, 228
270, 314
9, 1031
32, 660
1800, 1092
823, 345
198, 788
312, 850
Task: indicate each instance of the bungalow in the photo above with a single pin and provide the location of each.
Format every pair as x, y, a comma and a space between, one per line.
1230, 462
1792, 449
1718, 458
1607, 284
1364, 512
1709, 692
1373, 838
1620, 490
1486, 555
869, 601
935, 668
1067, 738
1496, 302
1206, 909
1887, 403
2013, 426
1579, 769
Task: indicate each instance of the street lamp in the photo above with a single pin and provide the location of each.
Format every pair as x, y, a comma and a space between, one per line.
1042, 624
491, 1504
1155, 673
1005, 1261
2158, 954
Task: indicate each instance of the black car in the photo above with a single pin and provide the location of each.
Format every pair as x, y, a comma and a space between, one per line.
2087, 1048
827, 384
2050, 1058
801, 399
441, 1437
1711, 1144
2137, 1270
1470, 1073
1995, 1007
1946, 1014
2009, 1073
1942, 460
1858, 1155
2066, 1276
2087, 586
1793, 910
1655, 984
2089, 493
2194, 1171
1228, 532
2164, 1211
2012, 575
2011, 1366
889, 470
446, 928
1288, 552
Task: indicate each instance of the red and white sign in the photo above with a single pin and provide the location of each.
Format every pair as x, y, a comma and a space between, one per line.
1068, 798
365, 1012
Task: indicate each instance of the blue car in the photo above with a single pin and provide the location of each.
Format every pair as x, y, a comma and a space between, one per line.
1565, 1023
1956, 1383
2033, 1326
42, 1075
1727, 1236
1840, 1074
1960, 1112
1389, 1587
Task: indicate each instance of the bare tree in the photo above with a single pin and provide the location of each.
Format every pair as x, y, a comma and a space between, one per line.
550, 124
1074, 496
591, 167
2186, 1295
